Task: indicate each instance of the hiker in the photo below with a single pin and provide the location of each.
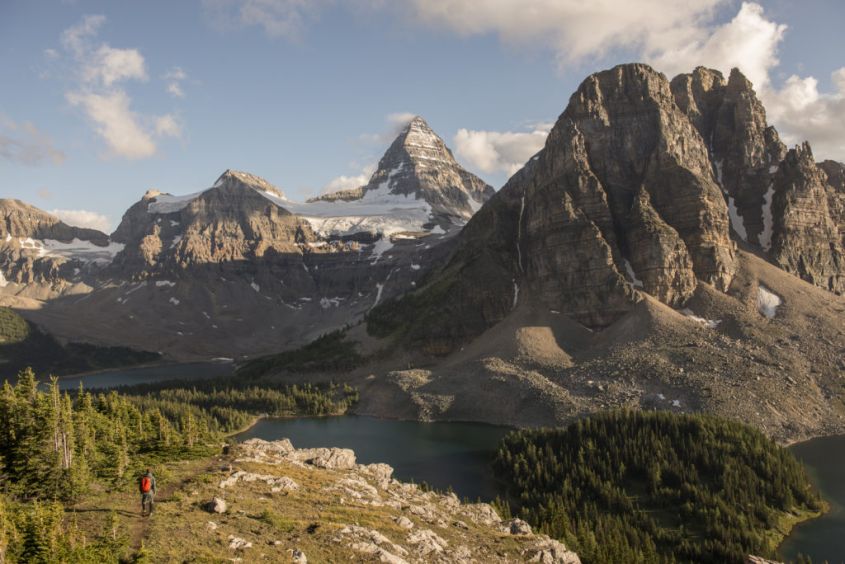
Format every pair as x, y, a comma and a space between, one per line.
147, 486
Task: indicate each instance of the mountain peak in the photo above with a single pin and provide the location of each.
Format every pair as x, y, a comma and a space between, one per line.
234, 178
418, 164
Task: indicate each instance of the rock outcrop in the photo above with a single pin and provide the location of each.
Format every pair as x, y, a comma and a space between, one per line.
806, 239
780, 201
347, 510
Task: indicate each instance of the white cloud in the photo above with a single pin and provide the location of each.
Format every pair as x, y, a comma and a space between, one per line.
168, 126
109, 65
348, 182
116, 123
801, 112
749, 41
174, 78
24, 143
84, 218
76, 38
673, 36
499, 151
278, 18
101, 72
175, 89
395, 123
574, 29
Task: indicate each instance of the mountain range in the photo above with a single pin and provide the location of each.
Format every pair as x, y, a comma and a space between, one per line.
238, 269
665, 249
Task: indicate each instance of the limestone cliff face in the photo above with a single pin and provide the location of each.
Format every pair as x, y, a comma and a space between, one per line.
835, 173
418, 164
745, 151
779, 200
806, 239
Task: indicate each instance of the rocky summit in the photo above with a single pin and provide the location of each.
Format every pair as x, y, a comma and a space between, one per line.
419, 165
180, 274
664, 249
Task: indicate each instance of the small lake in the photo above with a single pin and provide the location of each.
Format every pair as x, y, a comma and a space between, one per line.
822, 539
148, 374
441, 454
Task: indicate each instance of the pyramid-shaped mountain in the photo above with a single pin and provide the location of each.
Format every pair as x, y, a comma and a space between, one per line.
418, 164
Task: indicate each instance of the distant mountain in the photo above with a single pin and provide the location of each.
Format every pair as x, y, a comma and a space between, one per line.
185, 274
41, 256
418, 165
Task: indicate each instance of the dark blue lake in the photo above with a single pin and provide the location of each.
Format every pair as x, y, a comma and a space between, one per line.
822, 539
456, 455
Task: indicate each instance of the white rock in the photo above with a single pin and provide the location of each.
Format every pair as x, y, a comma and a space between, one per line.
217, 505
404, 522
298, 557
516, 527
237, 543
427, 542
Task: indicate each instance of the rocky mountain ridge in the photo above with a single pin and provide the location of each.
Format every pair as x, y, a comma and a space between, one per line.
180, 274
663, 250
628, 197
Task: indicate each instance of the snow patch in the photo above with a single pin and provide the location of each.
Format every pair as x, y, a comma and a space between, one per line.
676, 403
174, 301
415, 266
766, 235
515, 293
135, 288
719, 165
176, 240
711, 323
437, 230
380, 247
162, 283
255, 286
635, 282
326, 303
736, 220
168, 203
773, 169
3, 281
767, 302
379, 290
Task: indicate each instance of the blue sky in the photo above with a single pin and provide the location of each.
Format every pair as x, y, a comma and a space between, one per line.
103, 100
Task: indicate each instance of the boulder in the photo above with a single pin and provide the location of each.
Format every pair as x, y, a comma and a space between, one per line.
516, 527
216, 505
237, 543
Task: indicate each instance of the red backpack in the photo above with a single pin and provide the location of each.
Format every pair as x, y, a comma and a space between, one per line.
146, 484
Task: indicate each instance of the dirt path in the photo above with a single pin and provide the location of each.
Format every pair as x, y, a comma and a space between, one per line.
182, 474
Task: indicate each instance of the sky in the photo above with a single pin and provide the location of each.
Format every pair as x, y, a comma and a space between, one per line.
103, 100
